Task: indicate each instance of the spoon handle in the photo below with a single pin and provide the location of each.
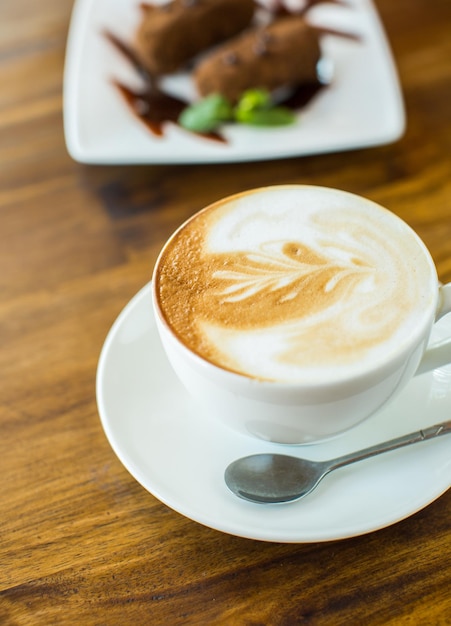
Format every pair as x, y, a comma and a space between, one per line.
406, 440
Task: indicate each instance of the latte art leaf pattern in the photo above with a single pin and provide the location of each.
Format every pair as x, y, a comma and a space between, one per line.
282, 267
278, 289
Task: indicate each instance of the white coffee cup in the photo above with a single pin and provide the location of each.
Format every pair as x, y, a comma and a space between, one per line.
295, 312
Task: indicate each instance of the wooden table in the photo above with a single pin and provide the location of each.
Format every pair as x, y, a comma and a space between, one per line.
81, 541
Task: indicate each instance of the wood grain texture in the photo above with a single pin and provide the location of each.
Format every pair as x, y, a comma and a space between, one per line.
80, 541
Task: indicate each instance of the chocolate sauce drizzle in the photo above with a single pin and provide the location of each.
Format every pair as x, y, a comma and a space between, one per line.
151, 105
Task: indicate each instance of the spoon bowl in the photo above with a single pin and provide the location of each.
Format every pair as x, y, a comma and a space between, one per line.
269, 478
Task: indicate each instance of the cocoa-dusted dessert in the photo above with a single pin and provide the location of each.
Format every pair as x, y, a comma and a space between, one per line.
285, 52
171, 34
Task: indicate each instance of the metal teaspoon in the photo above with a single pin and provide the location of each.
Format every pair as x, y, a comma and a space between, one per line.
275, 478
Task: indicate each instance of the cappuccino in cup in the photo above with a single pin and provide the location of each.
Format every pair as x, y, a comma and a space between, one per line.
293, 296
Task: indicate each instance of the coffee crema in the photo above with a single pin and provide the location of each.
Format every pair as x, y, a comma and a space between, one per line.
294, 283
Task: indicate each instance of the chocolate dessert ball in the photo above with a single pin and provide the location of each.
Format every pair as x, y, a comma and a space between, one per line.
285, 52
171, 34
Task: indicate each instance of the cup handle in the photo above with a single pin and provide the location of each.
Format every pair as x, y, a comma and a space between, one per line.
438, 354
444, 303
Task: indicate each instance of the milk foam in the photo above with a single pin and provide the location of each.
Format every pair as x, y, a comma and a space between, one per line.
295, 283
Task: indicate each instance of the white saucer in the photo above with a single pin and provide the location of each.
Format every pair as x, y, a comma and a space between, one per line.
179, 454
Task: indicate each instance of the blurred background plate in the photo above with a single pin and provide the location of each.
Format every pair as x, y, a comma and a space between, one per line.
362, 107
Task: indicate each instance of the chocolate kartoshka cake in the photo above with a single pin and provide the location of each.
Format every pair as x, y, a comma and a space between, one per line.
171, 34
283, 53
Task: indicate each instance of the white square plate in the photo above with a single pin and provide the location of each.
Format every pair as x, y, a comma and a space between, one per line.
362, 107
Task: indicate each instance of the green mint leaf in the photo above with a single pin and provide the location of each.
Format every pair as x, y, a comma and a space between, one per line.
207, 114
277, 116
251, 100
